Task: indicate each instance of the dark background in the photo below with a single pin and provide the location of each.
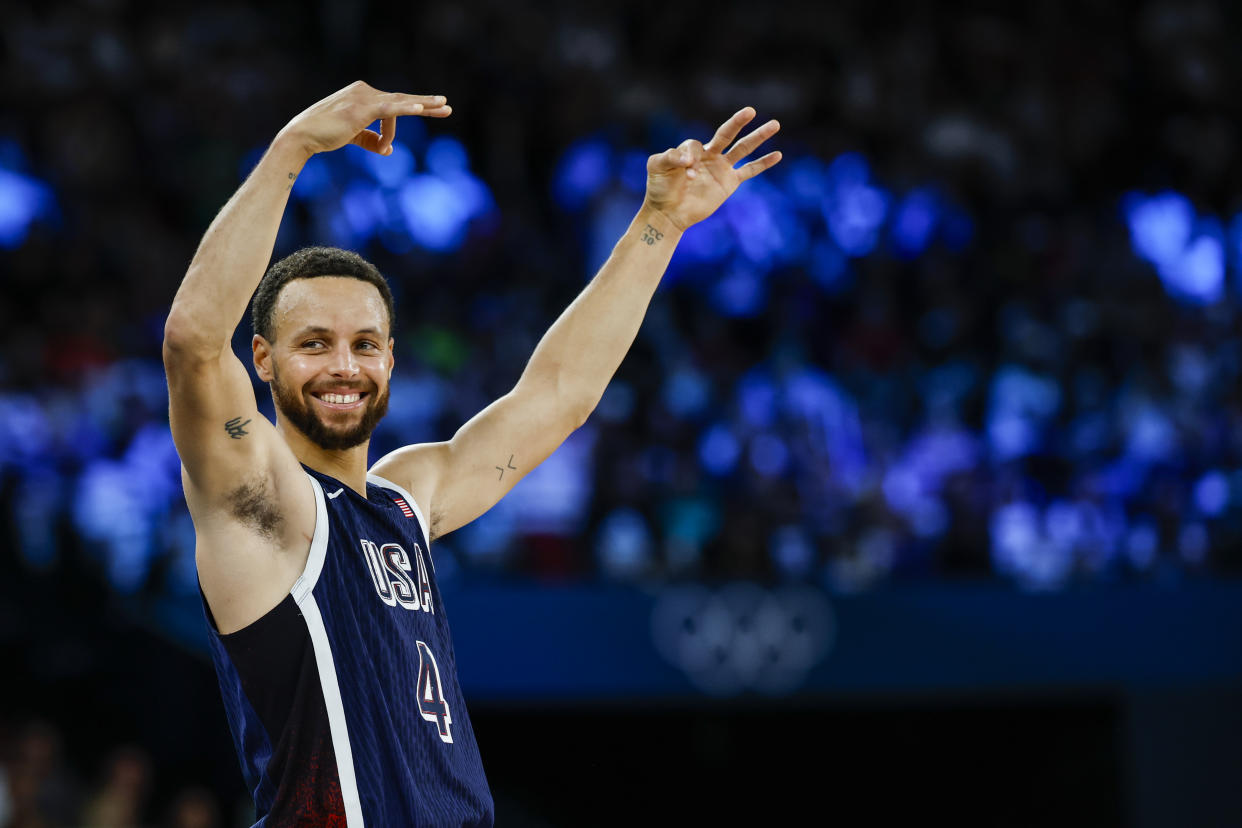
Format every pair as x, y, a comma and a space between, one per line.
951, 394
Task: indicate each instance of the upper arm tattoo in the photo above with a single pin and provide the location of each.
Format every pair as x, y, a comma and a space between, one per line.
236, 428
509, 465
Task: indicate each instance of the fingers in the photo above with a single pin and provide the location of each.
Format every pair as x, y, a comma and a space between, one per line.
396, 104
399, 103
758, 165
752, 142
390, 106
729, 130
379, 110
392, 109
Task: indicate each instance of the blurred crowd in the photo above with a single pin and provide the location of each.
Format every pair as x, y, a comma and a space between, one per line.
38, 789
923, 346
941, 339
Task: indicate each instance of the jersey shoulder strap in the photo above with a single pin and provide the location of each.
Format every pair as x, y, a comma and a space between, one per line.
406, 501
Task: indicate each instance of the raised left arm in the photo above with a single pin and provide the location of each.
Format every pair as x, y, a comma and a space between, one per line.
462, 478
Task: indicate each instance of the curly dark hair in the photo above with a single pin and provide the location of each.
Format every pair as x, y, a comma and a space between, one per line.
308, 263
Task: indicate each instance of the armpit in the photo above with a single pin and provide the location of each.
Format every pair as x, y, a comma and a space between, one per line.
254, 504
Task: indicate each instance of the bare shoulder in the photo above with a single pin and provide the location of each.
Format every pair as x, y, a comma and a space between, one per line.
417, 469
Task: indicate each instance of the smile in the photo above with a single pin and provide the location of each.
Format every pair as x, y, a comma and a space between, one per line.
340, 402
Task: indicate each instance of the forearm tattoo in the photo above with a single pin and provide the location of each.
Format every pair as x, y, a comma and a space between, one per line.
292, 180
236, 428
509, 465
651, 235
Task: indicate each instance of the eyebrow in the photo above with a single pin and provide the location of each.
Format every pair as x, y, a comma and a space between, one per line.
319, 329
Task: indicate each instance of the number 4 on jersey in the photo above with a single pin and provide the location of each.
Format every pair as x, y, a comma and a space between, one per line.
431, 701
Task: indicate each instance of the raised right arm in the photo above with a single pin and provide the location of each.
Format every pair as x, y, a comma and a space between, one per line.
244, 487
208, 386
221, 438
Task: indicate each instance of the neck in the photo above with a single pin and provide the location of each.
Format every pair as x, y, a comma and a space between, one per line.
347, 465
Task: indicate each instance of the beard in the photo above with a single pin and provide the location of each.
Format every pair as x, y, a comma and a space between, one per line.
299, 412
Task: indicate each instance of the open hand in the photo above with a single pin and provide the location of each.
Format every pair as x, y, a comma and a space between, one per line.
689, 182
342, 118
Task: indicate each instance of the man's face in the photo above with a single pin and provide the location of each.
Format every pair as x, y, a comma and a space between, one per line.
330, 363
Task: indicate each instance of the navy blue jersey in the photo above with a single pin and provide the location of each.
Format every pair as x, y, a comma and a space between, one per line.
343, 700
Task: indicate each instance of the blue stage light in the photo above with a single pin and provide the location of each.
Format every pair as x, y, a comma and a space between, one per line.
853, 209
1212, 493
1160, 225
740, 292
23, 200
363, 207
708, 241
314, 181
686, 392
446, 155
1189, 252
769, 455
1197, 274
805, 180
475, 196
764, 221
719, 450
582, 172
624, 543
109, 511
829, 267
435, 214
792, 551
757, 399
914, 222
389, 170
633, 173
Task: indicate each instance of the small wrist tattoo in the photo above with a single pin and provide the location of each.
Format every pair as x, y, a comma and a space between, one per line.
236, 428
509, 465
651, 235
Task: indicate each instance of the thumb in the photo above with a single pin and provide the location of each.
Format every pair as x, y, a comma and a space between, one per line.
371, 141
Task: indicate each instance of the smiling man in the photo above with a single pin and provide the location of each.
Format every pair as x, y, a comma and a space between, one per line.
328, 634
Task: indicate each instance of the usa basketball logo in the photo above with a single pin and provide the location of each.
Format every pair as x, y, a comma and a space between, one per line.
405, 507
400, 578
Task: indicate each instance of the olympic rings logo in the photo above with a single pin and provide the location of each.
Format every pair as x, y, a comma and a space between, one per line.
744, 637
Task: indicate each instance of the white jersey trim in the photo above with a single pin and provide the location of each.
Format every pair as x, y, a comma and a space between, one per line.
336, 712
303, 594
318, 548
409, 498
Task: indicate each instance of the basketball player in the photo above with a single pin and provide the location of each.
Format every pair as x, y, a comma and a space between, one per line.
327, 629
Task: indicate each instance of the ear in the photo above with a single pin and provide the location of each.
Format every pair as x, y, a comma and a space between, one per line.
392, 356
262, 351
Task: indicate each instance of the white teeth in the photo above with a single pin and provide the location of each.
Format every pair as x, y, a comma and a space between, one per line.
341, 399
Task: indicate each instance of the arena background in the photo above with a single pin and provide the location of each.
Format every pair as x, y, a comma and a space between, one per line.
919, 495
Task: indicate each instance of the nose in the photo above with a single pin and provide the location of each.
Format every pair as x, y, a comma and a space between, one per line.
344, 363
